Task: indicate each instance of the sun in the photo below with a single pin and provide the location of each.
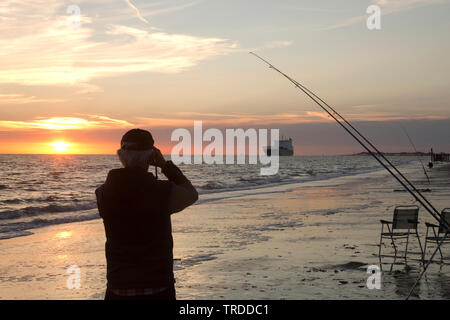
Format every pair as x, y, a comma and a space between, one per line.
60, 146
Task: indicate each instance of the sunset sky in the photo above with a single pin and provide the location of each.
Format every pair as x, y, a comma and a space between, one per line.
160, 65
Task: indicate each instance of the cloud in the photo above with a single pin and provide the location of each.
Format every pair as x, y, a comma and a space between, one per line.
388, 7
312, 132
368, 106
85, 88
391, 6
13, 98
66, 123
47, 52
278, 44
138, 14
185, 119
169, 9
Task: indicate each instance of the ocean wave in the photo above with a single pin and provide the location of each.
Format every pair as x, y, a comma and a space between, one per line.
9, 230
252, 179
12, 201
14, 234
30, 209
243, 183
31, 200
51, 208
212, 185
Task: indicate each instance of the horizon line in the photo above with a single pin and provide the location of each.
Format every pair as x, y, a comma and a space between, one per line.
299, 155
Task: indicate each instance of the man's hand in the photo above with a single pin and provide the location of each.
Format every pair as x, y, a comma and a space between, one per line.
157, 159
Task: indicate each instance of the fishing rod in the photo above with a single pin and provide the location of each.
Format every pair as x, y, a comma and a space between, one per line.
436, 215
309, 93
415, 150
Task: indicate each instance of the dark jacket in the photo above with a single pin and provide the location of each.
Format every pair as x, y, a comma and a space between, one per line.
136, 215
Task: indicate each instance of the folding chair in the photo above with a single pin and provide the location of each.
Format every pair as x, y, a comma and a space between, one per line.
404, 223
441, 233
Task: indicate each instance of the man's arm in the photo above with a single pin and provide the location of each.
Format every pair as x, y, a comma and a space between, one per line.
183, 193
99, 196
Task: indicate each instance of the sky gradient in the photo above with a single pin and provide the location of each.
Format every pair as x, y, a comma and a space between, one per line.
160, 65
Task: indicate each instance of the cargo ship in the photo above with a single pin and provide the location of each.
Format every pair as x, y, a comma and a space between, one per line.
285, 148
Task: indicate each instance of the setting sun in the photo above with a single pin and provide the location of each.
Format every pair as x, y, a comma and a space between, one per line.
60, 146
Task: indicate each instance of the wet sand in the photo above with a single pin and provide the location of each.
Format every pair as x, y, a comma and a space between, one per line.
307, 241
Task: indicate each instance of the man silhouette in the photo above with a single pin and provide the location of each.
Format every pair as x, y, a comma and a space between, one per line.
135, 208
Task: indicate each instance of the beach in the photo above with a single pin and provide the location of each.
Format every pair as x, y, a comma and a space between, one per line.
305, 240
281, 120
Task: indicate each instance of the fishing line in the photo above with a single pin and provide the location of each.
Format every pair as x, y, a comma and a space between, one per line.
415, 150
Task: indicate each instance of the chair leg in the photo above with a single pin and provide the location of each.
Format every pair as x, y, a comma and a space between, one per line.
406, 248
445, 236
442, 258
381, 240
381, 244
392, 266
437, 243
420, 245
395, 249
379, 250
393, 243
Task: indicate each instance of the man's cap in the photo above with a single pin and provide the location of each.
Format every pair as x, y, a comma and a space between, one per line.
137, 139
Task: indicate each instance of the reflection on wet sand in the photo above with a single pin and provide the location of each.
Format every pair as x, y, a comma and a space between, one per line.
404, 280
444, 284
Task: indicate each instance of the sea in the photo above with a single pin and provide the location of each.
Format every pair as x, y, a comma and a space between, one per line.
42, 190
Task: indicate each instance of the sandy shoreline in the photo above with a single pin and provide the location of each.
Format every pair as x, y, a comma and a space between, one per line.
311, 241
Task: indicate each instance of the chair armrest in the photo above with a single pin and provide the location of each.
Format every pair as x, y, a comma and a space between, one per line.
387, 222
